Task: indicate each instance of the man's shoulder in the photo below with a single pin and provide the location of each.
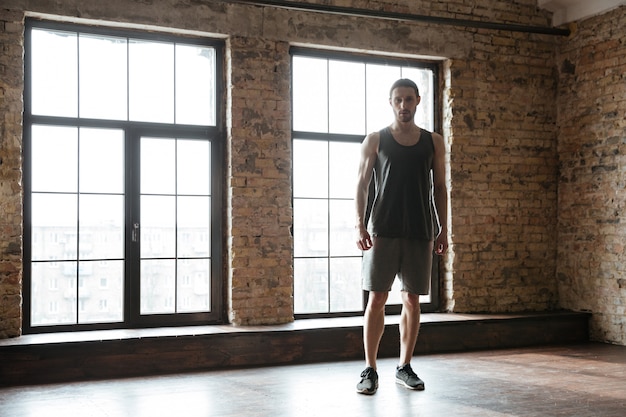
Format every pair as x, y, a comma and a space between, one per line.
371, 142
379, 132
374, 136
436, 135
437, 138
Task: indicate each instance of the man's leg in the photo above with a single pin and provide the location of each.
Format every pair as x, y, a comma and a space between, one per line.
374, 325
409, 326
409, 329
373, 329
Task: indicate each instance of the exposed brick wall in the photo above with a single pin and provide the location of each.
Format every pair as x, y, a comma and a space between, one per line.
11, 87
260, 286
592, 157
502, 11
504, 174
500, 108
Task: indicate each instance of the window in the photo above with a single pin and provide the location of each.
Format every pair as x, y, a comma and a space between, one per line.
122, 176
337, 100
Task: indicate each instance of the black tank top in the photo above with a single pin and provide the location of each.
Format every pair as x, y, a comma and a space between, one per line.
403, 205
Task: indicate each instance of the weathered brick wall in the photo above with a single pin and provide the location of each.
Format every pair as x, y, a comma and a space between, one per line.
502, 11
11, 87
501, 130
260, 284
504, 174
592, 190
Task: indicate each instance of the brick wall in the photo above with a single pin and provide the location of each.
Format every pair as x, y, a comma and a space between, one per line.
260, 248
504, 174
592, 158
500, 107
11, 87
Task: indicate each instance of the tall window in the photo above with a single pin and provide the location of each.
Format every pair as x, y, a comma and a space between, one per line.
337, 100
122, 174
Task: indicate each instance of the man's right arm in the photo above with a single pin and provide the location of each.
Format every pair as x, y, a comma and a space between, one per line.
369, 153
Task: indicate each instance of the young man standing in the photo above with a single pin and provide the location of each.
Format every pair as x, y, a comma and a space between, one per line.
401, 236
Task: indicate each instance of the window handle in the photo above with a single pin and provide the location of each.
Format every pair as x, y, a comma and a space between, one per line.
134, 234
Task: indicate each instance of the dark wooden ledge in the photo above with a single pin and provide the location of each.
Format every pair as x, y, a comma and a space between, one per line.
46, 358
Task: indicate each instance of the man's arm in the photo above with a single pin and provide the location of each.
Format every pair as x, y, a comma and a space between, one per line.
440, 192
369, 153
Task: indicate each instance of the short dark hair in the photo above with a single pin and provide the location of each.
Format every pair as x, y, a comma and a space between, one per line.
404, 82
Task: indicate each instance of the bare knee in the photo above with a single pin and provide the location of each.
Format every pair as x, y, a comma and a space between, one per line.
376, 300
411, 302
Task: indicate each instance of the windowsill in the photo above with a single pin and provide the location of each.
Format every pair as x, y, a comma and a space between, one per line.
304, 324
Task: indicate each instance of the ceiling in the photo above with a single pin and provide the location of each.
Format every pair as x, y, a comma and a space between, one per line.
566, 11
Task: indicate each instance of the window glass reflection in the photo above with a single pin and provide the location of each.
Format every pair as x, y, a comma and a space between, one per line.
54, 73
346, 91
310, 94
54, 156
151, 81
103, 77
310, 168
195, 85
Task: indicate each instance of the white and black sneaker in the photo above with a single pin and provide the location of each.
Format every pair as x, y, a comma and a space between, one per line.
407, 378
369, 382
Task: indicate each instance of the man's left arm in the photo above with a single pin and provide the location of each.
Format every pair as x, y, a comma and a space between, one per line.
440, 192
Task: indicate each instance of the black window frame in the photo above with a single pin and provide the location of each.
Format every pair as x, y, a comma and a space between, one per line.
133, 131
436, 67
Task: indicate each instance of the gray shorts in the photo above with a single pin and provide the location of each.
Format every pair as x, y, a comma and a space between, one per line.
411, 260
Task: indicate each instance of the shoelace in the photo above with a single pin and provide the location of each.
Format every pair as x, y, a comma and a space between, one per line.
408, 371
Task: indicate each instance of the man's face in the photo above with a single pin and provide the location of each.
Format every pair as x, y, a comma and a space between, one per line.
404, 102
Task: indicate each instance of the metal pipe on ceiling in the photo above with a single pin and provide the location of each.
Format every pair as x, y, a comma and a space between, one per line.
381, 14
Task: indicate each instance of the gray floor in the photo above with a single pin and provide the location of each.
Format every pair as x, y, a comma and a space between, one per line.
572, 381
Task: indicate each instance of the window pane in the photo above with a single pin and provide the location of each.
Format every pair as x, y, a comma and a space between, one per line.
101, 229
343, 242
346, 88
101, 292
310, 285
54, 73
310, 168
310, 223
194, 285
54, 158
53, 286
379, 80
395, 295
103, 77
54, 221
310, 94
158, 166
158, 226
158, 286
151, 81
194, 167
194, 214
195, 85
345, 285
344, 166
424, 116
101, 160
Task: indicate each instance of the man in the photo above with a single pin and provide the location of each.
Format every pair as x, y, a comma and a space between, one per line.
401, 234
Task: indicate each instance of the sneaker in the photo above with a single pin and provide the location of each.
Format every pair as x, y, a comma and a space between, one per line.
369, 382
406, 377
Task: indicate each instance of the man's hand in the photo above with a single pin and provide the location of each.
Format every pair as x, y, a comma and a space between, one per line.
364, 240
441, 244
